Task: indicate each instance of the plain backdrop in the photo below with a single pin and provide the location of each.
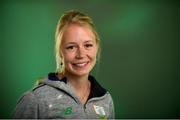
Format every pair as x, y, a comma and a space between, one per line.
139, 62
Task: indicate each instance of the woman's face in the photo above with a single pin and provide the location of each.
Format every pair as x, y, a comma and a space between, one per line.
79, 49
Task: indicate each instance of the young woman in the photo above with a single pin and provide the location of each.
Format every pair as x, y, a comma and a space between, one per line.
71, 92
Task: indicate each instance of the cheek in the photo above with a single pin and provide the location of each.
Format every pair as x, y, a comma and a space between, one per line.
68, 57
93, 54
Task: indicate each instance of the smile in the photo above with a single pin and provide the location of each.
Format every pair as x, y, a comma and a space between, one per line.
80, 64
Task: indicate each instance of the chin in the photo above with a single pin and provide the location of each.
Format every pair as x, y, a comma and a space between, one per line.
80, 73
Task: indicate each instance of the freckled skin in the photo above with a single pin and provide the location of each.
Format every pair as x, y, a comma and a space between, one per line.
79, 49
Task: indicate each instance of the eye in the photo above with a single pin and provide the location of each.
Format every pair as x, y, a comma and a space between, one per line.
71, 48
88, 45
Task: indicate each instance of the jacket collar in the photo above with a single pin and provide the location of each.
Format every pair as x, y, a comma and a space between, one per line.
96, 89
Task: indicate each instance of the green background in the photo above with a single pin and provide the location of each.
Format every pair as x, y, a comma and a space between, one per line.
140, 52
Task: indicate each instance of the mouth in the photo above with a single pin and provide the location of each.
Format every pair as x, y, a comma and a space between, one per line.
81, 64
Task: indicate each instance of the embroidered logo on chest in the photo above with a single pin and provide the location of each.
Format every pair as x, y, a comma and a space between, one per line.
66, 112
100, 112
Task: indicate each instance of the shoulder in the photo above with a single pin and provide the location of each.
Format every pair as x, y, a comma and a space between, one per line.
107, 97
27, 96
44, 92
30, 96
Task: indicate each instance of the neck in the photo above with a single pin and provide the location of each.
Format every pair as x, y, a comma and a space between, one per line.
78, 82
81, 85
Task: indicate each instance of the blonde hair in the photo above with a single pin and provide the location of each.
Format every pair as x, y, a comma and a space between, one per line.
69, 17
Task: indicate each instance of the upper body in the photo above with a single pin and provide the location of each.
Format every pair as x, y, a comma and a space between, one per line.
77, 47
54, 98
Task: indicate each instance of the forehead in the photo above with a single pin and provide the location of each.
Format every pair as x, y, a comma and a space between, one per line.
78, 33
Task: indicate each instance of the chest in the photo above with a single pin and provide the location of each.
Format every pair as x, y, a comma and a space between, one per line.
63, 106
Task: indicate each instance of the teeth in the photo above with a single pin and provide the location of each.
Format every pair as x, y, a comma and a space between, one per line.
80, 64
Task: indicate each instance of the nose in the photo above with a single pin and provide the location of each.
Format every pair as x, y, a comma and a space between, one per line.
80, 52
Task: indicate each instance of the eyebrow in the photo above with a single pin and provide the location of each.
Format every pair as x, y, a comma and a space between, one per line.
76, 43
70, 43
88, 41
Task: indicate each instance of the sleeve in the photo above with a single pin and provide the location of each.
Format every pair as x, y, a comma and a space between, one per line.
27, 107
112, 109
